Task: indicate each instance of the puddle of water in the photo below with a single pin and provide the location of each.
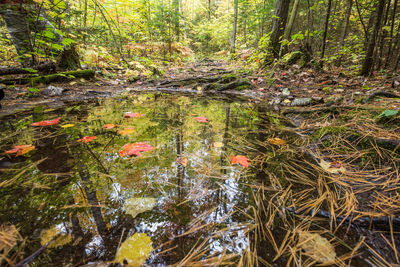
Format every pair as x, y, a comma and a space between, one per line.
204, 207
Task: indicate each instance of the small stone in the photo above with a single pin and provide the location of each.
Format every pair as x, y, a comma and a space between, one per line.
285, 92
301, 101
53, 90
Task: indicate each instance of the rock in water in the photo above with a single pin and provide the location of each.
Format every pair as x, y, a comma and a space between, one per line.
53, 90
301, 101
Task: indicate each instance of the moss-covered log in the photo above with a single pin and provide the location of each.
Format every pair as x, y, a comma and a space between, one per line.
46, 79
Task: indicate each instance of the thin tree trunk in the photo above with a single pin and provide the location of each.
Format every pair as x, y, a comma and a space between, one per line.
346, 23
328, 14
292, 18
278, 26
391, 33
369, 62
235, 16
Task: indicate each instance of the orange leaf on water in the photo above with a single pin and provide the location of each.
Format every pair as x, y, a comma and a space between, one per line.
133, 115
201, 119
182, 161
46, 123
135, 149
126, 131
87, 139
242, 160
110, 126
20, 150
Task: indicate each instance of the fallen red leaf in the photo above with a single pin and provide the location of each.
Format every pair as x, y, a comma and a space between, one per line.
133, 115
201, 119
20, 150
46, 123
87, 139
135, 149
242, 160
110, 126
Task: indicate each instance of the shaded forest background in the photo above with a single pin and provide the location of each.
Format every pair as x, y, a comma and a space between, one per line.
361, 36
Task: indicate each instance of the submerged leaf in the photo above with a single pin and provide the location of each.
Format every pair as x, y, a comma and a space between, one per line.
277, 141
133, 115
134, 206
87, 139
182, 161
135, 149
200, 119
46, 123
110, 126
135, 250
317, 247
60, 238
218, 144
242, 160
20, 150
126, 131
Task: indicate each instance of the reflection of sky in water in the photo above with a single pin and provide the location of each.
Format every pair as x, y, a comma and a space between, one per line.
206, 192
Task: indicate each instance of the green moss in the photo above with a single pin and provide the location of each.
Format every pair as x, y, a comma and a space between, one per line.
242, 87
330, 130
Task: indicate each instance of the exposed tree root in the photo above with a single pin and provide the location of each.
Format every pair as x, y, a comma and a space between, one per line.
57, 77
380, 93
377, 223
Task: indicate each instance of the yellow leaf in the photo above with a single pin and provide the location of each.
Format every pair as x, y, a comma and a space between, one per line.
218, 144
317, 247
135, 250
126, 131
69, 125
134, 206
277, 141
332, 167
47, 235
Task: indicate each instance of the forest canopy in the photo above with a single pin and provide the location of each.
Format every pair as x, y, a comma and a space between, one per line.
362, 35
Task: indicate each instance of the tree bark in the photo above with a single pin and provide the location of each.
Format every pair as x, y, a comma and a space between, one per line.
18, 28
292, 18
368, 63
278, 26
328, 14
235, 17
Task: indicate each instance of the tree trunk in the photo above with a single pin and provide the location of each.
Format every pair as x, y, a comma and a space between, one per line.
235, 17
18, 28
278, 26
346, 23
368, 63
391, 33
328, 14
292, 18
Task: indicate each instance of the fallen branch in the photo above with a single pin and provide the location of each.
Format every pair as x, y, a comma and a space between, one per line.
45, 67
376, 223
380, 93
331, 109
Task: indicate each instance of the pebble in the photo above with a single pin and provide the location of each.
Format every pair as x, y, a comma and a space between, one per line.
53, 90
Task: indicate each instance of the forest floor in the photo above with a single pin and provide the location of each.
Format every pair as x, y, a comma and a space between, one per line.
282, 89
350, 126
